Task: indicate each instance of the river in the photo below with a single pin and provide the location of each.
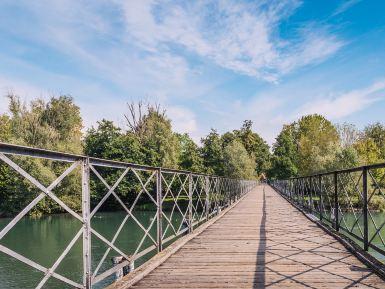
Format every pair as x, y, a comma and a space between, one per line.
44, 239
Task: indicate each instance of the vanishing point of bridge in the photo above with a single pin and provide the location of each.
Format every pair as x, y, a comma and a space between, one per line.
166, 228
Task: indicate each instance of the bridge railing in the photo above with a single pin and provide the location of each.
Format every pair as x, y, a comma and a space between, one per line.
351, 201
157, 206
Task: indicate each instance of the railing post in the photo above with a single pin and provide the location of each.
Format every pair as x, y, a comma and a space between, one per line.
159, 209
207, 198
86, 224
320, 197
365, 207
302, 188
190, 196
336, 208
311, 187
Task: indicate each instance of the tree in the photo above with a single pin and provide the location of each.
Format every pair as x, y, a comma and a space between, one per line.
189, 157
376, 132
317, 139
237, 161
56, 125
5, 128
345, 157
348, 134
256, 147
367, 150
109, 142
212, 153
154, 132
284, 155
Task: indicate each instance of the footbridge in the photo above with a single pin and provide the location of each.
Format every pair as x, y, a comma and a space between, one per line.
124, 225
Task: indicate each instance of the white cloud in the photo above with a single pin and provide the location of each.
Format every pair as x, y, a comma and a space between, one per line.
183, 120
345, 104
345, 5
239, 36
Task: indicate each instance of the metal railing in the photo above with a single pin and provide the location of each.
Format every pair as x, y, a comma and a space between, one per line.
191, 199
351, 201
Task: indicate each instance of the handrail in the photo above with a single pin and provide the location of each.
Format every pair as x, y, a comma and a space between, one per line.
347, 200
348, 170
194, 198
7, 148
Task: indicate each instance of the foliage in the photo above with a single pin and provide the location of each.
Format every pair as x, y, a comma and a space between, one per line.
284, 155
376, 132
309, 145
153, 129
212, 153
367, 150
238, 162
256, 147
56, 125
190, 158
316, 139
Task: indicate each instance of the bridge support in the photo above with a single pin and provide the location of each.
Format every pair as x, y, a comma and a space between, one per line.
336, 207
86, 224
365, 207
159, 209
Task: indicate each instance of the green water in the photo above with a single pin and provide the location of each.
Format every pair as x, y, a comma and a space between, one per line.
43, 240
378, 218
348, 221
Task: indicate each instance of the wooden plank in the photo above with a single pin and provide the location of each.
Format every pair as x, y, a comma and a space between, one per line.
263, 242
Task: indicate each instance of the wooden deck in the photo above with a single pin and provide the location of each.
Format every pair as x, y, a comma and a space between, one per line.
263, 242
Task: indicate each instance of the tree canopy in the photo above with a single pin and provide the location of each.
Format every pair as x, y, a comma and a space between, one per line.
309, 145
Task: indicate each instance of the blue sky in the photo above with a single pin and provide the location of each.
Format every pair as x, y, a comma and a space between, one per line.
209, 63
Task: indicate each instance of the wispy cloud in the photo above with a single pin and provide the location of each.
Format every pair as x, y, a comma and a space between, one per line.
345, 5
108, 52
345, 104
240, 36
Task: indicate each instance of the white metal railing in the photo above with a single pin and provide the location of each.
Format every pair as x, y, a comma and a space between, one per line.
194, 198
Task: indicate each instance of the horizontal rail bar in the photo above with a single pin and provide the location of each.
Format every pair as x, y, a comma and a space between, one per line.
20, 150
349, 170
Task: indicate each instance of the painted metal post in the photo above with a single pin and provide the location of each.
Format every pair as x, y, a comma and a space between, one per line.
320, 198
159, 209
365, 207
207, 193
86, 224
311, 189
190, 209
302, 189
336, 207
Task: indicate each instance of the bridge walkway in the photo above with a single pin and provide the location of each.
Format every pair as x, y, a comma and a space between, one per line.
263, 242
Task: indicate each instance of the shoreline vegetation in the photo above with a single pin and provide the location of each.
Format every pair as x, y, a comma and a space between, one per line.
312, 144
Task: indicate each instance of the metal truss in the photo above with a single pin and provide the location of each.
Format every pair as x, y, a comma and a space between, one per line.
345, 200
195, 198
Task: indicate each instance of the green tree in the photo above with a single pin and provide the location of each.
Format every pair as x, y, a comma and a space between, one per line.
190, 158
368, 151
154, 132
212, 153
109, 142
256, 146
284, 155
345, 157
317, 139
5, 128
237, 161
38, 124
376, 132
